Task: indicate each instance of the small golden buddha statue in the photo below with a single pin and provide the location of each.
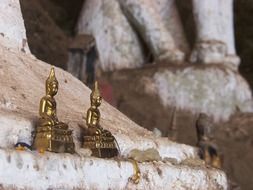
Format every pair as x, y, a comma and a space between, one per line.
51, 134
208, 150
101, 142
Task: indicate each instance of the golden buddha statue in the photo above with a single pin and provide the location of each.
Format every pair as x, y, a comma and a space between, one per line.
208, 150
101, 142
51, 134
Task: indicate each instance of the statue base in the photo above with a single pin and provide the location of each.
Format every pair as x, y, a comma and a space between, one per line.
54, 140
101, 146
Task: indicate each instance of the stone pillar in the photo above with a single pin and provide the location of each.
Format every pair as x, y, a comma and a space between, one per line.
117, 44
144, 15
12, 29
215, 33
171, 19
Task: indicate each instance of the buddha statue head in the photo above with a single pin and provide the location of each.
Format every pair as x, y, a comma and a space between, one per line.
51, 84
95, 96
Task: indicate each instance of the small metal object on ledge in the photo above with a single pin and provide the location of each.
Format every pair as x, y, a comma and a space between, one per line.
100, 141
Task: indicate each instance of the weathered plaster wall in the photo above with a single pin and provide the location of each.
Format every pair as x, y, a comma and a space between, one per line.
12, 25
212, 90
145, 16
215, 33
64, 171
170, 17
158, 24
118, 45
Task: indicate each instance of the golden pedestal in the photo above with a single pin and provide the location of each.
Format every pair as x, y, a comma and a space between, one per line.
54, 140
101, 146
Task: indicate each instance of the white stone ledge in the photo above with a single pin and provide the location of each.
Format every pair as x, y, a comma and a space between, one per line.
16, 129
165, 147
30, 170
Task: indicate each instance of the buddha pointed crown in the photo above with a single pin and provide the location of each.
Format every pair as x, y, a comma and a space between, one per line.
51, 78
95, 92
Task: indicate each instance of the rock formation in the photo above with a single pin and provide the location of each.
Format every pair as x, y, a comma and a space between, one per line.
133, 27
189, 87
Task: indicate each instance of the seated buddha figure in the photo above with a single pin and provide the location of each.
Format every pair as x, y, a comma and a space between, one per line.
51, 134
208, 149
101, 142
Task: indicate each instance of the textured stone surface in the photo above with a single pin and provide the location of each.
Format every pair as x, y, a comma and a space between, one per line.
214, 23
145, 16
170, 17
11, 21
219, 92
64, 171
157, 23
117, 43
119, 28
214, 20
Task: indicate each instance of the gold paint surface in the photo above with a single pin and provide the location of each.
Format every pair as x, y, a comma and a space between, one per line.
101, 142
51, 134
